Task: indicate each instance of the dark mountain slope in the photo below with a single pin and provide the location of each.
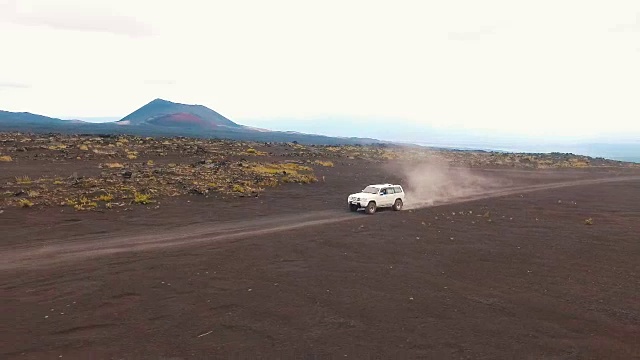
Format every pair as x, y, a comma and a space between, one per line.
166, 113
27, 118
168, 125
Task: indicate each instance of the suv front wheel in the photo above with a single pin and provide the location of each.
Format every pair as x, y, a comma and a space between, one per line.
371, 208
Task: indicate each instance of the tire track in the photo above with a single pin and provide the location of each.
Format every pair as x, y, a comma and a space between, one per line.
524, 189
48, 254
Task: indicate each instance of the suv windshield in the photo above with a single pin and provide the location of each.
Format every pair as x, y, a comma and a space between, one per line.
370, 190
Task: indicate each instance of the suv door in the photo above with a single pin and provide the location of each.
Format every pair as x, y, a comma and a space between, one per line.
398, 191
388, 197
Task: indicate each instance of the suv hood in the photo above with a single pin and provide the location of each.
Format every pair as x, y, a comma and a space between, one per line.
363, 195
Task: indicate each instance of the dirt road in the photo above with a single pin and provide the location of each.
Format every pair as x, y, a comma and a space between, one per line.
56, 252
267, 277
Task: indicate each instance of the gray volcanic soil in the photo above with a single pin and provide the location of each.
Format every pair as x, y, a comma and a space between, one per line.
502, 271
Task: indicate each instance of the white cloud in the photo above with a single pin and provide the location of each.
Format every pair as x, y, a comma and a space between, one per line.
71, 15
472, 35
13, 85
539, 69
159, 82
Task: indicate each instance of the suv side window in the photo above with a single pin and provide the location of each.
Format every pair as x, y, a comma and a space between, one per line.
389, 190
398, 189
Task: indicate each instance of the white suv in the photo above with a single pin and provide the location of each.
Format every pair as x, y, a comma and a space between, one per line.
375, 196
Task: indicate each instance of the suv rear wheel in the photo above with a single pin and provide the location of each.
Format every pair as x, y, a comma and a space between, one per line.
371, 208
397, 205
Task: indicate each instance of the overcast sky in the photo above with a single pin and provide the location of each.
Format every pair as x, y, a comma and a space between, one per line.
569, 67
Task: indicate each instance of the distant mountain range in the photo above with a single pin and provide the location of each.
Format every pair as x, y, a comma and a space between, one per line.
165, 118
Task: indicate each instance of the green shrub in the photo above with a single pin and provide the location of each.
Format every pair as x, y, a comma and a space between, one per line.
25, 203
142, 198
24, 180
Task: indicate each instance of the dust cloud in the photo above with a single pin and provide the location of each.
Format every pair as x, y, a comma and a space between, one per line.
433, 182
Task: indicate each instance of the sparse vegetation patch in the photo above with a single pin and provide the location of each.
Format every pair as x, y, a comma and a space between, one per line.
23, 180
324, 163
142, 198
25, 203
135, 170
